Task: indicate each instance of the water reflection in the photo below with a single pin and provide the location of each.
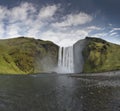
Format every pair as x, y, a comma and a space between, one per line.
59, 93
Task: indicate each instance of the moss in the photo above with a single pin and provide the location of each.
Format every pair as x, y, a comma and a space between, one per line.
20, 55
99, 56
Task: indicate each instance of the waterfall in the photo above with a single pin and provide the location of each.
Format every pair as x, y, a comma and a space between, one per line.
65, 60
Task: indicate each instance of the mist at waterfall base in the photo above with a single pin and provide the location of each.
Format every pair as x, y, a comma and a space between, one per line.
65, 60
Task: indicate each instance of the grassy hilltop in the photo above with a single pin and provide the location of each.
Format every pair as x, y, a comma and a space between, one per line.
27, 55
100, 55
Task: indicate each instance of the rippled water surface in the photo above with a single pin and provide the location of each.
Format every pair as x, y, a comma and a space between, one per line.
55, 92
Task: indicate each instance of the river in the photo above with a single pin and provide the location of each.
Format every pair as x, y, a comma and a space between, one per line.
60, 92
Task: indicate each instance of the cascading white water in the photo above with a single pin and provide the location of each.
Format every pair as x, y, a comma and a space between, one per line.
65, 60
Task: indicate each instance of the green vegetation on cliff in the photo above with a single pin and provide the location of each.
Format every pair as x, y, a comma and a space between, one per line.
100, 55
26, 55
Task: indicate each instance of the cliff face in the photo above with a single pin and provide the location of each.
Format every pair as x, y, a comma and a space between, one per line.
27, 55
78, 48
96, 55
100, 55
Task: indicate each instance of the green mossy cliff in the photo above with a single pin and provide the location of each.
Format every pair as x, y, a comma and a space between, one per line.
100, 56
27, 55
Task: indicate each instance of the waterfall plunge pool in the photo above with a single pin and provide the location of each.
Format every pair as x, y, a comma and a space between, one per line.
56, 92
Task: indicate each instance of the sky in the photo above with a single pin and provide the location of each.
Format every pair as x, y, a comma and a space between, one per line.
62, 21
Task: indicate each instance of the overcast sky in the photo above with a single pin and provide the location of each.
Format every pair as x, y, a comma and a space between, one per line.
61, 21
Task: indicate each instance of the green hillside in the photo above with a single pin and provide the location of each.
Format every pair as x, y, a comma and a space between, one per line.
27, 55
100, 55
